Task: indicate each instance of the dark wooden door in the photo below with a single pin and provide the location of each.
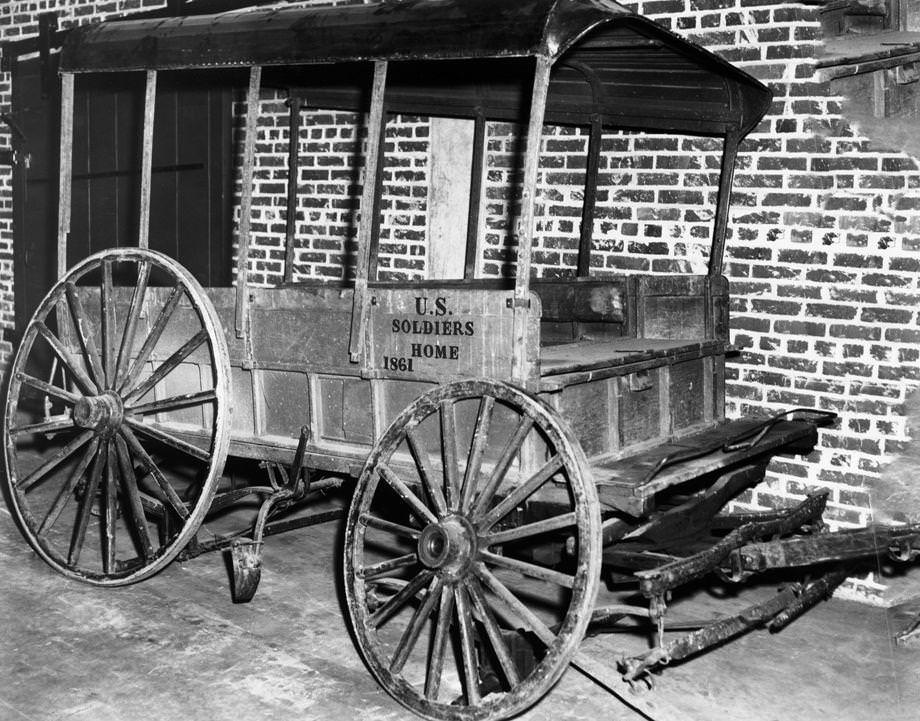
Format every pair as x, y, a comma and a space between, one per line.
191, 184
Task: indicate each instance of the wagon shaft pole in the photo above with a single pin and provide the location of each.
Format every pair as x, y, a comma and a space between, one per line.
677, 573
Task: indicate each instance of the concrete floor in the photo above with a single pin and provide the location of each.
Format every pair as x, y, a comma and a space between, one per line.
175, 647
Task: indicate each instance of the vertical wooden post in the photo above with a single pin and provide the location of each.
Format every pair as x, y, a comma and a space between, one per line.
242, 259
519, 369
587, 208
150, 94
472, 223
373, 253
365, 228
295, 102
723, 202
65, 171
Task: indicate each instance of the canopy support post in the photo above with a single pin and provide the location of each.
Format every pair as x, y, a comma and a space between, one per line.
365, 229
519, 359
587, 208
65, 171
150, 95
472, 222
242, 259
295, 103
729, 153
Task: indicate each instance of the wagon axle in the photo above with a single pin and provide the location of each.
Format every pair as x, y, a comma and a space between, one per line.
103, 413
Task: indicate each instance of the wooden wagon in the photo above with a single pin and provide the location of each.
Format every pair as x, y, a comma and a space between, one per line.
513, 440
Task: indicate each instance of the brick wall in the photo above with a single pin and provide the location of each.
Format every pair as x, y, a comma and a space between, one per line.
823, 256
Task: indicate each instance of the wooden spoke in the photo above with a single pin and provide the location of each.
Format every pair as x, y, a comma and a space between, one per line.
493, 632
82, 380
110, 511
477, 447
383, 568
141, 454
169, 440
521, 493
467, 646
84, 330
66, 492
107, 298
45, 468
528, 569
85, 508
514, 606
449, 453
404, 492
426, 473
501, 467
151, 340
169, 365
531, 529
134, 314
393, 605
134, 509
411, 633
439, 646
44, 387
59, 424
173, 403
384, 525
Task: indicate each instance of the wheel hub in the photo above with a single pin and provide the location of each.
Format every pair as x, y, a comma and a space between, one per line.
448, 546
102, 413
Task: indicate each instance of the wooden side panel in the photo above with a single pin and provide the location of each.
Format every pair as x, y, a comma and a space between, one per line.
286, 401
345, 410
441, 334
687, 394
587, 409
639, 407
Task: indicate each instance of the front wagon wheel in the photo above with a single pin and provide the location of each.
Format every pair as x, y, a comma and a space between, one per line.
472, 552
116, 423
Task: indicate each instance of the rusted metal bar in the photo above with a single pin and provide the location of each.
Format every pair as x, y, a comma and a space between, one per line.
64, 171
374, 148
711, 634
672, 575
723, 203
814, 593
242, 261
150, 94
295, 104
471, 259
519, 359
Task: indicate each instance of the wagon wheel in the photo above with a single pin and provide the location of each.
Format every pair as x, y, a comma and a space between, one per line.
117, 417
462, 608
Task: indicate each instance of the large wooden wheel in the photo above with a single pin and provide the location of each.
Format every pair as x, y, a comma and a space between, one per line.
117, 417
463, 599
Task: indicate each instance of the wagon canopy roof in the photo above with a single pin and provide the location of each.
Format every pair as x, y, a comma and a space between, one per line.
608, 61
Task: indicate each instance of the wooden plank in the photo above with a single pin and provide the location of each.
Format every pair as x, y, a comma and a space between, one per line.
150, 94
624, 483
241, 323
365, 229
592, 355
65, 171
